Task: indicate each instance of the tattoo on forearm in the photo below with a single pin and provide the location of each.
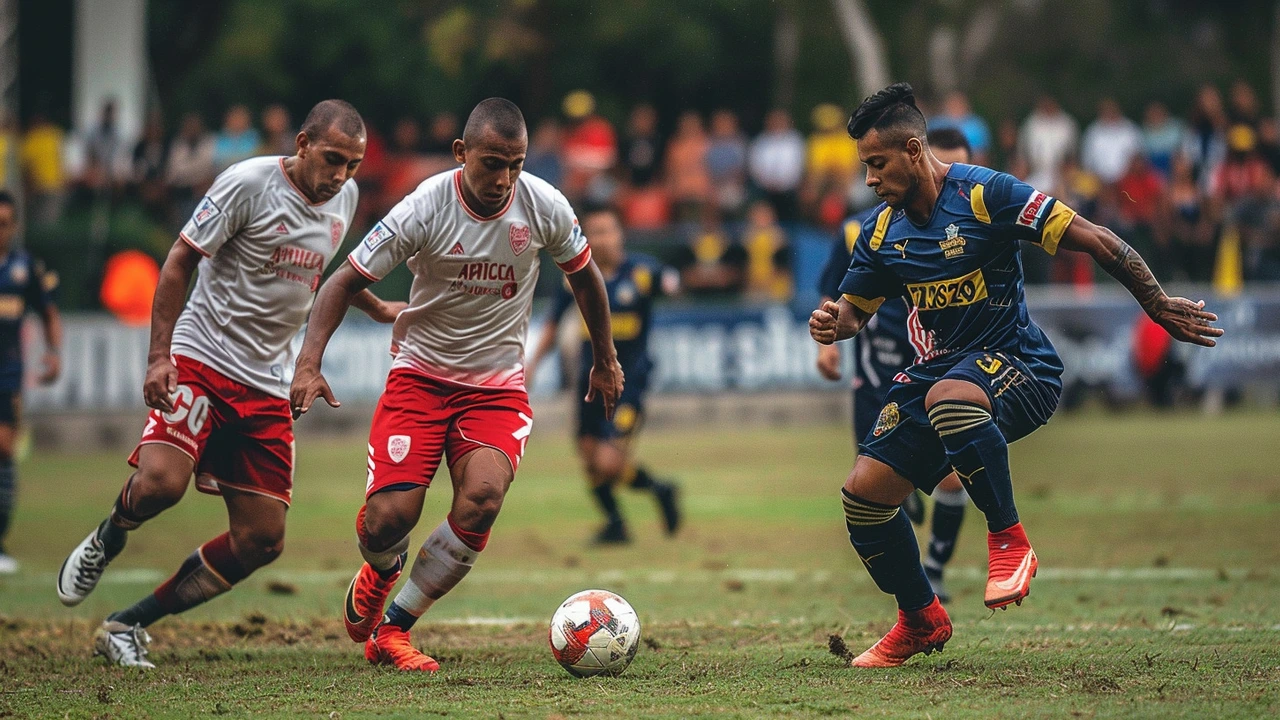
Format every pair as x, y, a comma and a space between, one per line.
1132, 272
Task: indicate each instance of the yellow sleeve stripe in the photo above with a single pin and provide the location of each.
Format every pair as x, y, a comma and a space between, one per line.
863, 304
882, 227
1056, 226
851, 232
979, 205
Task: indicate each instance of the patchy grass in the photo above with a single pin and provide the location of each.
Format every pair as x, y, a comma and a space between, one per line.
1157, 595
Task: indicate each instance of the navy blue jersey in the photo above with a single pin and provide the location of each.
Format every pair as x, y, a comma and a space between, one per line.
25, 285
962, 271
892, 339
632, 289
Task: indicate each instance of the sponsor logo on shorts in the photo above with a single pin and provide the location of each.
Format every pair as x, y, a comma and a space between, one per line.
1032, 210
398, 447
520, 235
205, 211
888, 420
377, 236
939, 294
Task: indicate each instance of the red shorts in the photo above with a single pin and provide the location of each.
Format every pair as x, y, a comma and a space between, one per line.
238, 436
421, 419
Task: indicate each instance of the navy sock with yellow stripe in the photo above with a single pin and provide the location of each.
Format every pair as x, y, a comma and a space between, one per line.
885, 541
978, 452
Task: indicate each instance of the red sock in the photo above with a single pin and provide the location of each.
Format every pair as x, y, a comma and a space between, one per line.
186, 589
475, 541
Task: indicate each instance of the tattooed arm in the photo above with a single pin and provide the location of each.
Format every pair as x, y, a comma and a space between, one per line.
1183, 319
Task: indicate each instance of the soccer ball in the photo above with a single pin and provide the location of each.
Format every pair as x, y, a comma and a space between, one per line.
595, 632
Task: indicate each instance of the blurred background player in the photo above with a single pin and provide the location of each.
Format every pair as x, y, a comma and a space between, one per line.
261, 237
456, 391
991, 375
25, 285
606, 446
892, 340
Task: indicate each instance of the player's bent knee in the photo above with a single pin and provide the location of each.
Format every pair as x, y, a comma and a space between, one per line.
875, 481
257, 547
159, 486
950, 389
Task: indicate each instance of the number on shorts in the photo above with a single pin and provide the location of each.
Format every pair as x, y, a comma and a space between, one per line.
195, 410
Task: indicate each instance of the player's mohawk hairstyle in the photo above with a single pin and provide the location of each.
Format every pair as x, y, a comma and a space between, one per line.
337, 114
892, 108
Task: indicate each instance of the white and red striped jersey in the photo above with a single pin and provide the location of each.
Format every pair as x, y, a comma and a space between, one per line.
265, 247
473, 276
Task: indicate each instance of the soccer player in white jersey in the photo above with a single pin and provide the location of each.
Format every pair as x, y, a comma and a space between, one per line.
216, 378
456, 390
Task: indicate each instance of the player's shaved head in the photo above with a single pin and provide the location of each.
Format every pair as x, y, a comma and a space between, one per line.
337, 115
892, 112
498, 115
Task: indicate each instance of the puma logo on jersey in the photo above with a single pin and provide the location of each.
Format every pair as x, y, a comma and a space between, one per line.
902, 247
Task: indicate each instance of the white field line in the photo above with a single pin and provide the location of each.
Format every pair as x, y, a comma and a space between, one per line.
132, 576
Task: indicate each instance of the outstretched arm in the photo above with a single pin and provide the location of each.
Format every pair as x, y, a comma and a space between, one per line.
1183, 319
332, 301
170, 298
593, 301
836, 321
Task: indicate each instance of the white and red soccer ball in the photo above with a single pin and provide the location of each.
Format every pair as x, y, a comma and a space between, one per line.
595, 632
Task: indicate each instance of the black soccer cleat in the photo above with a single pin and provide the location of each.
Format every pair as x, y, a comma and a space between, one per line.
668, 496
613, 533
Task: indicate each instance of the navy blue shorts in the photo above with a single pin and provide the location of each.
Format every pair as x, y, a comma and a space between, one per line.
9, 408
902, 438
867, 401
628, 416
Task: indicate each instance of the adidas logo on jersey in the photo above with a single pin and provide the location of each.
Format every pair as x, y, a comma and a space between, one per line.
457, 249
282, 229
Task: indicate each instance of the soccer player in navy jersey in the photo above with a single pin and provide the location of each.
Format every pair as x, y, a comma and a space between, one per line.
946, 240
25, 285
892, 340
607, 446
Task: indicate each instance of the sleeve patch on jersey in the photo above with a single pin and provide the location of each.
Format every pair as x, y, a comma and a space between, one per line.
379, 235
869, 306
1030, 214
205, 211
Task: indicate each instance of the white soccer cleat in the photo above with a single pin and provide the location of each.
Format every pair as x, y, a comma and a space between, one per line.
8, 565
81, 570
123, 645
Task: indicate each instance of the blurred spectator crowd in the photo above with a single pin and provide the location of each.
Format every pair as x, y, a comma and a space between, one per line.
1195, 189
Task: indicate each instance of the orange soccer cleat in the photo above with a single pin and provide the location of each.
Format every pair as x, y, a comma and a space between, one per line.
1011, 563
362, 609
918, 631
390, 645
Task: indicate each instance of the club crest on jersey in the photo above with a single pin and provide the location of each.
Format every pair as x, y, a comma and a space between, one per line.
335, 234
520, 235
205, 211
398, 447
954, 244
1032, 210
377, 236
888, 419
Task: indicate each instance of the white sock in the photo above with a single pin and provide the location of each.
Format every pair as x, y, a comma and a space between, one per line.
952, 498
441, 564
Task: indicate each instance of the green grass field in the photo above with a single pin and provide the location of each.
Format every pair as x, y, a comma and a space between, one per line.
1157, 594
